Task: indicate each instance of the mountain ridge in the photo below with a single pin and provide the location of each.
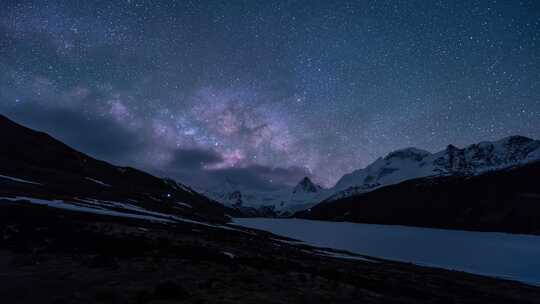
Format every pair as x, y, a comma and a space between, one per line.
505, 200
58, 175
409, 163
280, 202
395, 167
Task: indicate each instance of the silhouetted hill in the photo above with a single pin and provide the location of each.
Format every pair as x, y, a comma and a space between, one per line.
35, 165
505, 200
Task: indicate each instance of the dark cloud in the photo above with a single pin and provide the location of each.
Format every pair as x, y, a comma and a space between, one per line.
258, 177
261, 177
194, 159
191, 166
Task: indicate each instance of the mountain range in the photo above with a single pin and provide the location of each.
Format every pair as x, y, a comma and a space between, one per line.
484, 186
74, 229
281, 202
505, 200
396, 167
490, 186
413, 163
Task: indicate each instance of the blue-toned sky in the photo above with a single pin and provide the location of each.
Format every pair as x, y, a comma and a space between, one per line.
265, 92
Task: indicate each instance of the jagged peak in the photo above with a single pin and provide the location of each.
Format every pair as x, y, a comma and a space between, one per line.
306, 185
472, 159
516, 139
408, 153
305, 180
512, 140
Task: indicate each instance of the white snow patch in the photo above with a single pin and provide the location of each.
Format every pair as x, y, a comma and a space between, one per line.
98, 182
104, 208
187, 189
19, 180
230, 255
88, 209
343, 256
184, 205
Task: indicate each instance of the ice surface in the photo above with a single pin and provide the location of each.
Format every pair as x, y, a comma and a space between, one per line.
511, 256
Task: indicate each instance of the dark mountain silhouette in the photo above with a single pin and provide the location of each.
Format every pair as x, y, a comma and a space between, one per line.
35, 165
504, 200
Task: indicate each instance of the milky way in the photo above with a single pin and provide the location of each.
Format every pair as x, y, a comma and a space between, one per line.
265, 92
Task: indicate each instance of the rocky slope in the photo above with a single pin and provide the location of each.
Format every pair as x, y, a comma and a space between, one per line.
38, 169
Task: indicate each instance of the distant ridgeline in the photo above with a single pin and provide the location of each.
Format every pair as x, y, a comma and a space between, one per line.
490, 186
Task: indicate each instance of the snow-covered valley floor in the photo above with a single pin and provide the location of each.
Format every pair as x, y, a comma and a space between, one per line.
511, 256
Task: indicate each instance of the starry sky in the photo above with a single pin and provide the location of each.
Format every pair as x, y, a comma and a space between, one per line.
263, 93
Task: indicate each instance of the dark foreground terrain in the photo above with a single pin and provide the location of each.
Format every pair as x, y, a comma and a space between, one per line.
50, 255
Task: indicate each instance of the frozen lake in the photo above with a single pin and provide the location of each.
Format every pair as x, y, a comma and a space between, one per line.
512, 256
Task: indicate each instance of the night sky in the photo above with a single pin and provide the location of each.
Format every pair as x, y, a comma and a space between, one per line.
265, 92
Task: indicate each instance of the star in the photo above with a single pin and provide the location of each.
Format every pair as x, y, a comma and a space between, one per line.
206, 91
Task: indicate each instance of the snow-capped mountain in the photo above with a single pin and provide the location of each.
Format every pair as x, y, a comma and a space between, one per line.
413, 163
394, 168
282, 201
504, 200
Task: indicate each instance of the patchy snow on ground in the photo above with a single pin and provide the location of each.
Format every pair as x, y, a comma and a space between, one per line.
112, 209
98, 182
19, 180
343, 255
184, 205
97, 209
503, 255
